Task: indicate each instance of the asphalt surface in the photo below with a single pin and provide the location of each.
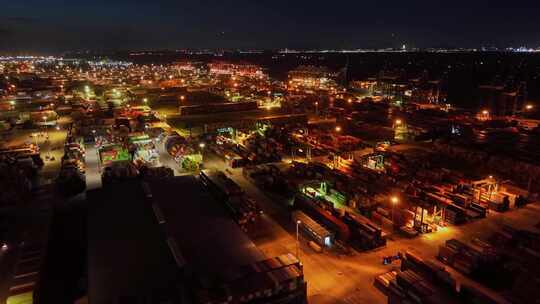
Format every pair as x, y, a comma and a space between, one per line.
165, 159
51, 144
52, 150
93, 174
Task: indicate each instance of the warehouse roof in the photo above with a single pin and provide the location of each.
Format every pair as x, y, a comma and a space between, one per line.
208, 239
128, 257
143, 236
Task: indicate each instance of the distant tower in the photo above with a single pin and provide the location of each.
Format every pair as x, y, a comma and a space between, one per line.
521, 98
344, 74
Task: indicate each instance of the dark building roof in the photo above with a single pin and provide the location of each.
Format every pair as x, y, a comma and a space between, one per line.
128, 258
208, 239
145, 238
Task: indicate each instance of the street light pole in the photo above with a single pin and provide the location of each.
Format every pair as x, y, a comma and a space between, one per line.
202, 145
297, 239
393, 215
394, 200
46, 135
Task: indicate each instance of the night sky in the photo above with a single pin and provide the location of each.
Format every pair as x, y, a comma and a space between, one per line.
57, 25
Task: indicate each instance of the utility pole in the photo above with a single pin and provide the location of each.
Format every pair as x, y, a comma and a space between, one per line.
297, 239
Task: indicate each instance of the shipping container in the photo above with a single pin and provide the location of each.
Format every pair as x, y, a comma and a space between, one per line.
317, 232
309, 207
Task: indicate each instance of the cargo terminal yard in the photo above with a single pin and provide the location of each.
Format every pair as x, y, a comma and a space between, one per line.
213, 182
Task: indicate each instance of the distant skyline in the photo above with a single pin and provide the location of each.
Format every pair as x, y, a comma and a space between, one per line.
61, 25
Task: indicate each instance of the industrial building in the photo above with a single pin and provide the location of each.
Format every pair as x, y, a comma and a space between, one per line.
168, 240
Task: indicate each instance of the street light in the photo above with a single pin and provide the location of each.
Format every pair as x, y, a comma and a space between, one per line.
529, 107
297, 238
394, 200
338, 129
202, 145
485, 112
35, 136
145, 100
398, 122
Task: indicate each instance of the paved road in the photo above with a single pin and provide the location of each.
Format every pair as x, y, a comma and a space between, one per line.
50, 142
52, 150
165, 159
93, 174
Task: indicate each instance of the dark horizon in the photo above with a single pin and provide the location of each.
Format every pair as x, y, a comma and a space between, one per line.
59, 25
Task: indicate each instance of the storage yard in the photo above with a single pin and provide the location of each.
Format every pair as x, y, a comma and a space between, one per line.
325, 271
211, 182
